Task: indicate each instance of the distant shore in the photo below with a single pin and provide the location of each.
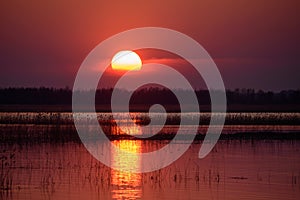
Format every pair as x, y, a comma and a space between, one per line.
141, 108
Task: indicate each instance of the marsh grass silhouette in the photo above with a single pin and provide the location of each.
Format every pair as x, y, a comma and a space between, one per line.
59, 127
7, 162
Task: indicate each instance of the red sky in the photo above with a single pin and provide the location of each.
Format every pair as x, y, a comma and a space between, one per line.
255, 44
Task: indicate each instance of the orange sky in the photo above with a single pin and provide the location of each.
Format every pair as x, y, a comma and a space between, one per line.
254, 43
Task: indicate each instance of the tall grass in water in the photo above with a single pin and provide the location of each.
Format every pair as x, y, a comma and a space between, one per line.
8, 162
59, 127
60, 118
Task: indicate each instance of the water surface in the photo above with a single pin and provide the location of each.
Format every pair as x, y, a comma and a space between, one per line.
41, 157
234, 170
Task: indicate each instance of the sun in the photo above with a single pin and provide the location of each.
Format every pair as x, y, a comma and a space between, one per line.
126, 60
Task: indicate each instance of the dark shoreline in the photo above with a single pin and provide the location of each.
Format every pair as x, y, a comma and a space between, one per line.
141, 108
59, 134
259, 136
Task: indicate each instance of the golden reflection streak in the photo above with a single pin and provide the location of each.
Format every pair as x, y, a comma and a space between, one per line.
126, 185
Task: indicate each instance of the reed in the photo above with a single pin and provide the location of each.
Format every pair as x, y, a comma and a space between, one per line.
7, 160
59, 118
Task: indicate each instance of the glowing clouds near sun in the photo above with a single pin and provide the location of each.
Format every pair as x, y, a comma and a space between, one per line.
126, 60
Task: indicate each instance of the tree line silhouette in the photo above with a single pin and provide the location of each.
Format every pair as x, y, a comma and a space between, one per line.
144, 96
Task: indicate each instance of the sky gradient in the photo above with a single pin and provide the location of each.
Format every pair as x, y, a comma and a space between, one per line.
255, 44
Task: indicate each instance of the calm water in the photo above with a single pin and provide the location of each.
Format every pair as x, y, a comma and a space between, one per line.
235, 169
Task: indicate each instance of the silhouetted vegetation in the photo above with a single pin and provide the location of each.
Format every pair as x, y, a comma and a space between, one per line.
107, 119
144, 96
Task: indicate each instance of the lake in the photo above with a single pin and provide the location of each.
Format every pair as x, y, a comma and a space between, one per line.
35, 166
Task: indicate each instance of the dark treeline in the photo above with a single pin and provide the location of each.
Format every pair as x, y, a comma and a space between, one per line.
52, 96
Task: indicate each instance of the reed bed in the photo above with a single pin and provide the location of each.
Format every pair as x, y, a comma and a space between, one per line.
60, 118
59, 127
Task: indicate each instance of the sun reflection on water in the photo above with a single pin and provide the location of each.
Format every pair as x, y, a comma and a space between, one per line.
126, 185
